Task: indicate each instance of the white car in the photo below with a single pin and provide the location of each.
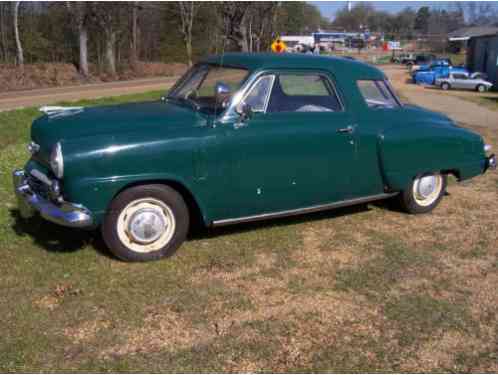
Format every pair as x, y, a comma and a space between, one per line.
464, 81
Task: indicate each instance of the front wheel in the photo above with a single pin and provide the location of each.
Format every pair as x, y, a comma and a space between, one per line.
424, 193
481, 88
145, 223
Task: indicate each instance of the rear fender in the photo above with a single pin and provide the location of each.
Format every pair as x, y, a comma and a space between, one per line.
406, 152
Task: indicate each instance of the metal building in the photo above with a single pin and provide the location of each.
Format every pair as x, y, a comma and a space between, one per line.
482, 56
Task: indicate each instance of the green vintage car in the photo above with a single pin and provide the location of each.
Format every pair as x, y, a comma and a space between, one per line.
241, 137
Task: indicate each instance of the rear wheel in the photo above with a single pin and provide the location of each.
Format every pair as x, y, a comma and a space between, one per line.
481, 88
145, 223
445, 86
424, 193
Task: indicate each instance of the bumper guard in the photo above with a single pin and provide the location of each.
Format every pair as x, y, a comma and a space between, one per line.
490, 163
66, 214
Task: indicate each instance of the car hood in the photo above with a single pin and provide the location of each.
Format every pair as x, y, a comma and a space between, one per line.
117, 119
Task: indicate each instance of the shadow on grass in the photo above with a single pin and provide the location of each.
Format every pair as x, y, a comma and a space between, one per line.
55, 238
206, 232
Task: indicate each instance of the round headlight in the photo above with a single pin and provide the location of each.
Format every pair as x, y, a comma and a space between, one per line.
56, 160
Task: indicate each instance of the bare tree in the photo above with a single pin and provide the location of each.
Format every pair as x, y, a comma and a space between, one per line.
134, 33
233, 23
20, 53
259, 21
188, 11
3, 31
107, 16
80, 15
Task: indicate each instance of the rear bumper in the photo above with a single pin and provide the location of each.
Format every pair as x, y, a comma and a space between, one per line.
63, 213
490, 163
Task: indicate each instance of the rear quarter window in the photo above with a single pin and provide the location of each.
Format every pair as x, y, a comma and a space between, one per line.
377, 94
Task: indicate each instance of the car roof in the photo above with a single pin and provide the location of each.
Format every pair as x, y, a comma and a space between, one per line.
353, 69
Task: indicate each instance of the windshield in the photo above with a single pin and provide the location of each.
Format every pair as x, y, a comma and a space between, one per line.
197, 87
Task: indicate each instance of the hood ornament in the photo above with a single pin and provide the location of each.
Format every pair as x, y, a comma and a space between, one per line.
57, 111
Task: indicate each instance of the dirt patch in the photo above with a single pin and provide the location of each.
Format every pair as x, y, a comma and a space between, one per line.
86, 331
440, 353
47, 302
161, 330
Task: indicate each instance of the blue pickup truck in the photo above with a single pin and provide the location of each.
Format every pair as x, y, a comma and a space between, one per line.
437, 69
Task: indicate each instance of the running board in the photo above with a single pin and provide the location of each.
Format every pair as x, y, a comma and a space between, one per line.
306, 210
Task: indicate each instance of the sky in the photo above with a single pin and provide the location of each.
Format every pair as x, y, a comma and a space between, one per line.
328, 8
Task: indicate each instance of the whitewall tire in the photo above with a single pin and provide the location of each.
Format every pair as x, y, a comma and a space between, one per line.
146, 222
424, 193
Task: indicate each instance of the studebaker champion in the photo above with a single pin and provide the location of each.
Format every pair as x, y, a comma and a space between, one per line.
241, 137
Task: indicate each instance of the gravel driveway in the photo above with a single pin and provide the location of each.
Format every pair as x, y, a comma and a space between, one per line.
459, 110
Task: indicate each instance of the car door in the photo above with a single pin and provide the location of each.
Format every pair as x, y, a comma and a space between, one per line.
471, 83
459, 81
296, 150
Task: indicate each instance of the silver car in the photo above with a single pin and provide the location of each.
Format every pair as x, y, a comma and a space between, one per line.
461, 80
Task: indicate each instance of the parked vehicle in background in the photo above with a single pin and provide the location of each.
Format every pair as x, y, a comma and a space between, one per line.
403, 58
433, 63
420, 59
464, 81
429, 76
296, 43
240, 138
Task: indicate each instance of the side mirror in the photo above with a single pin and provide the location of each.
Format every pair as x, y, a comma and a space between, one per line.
244, 110
221, 91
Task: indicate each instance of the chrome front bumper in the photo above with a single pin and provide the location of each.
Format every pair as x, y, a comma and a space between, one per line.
64, 213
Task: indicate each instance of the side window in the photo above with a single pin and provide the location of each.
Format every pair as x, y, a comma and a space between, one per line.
258, 96
459, 76
304, 85
311, 92
377, 94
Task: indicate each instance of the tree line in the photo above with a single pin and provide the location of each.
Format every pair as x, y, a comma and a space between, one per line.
409, 23
110, 35
113, 34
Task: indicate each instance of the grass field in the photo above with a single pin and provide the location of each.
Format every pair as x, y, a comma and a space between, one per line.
360, 289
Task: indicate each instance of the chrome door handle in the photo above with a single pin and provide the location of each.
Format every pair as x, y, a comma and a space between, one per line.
348, 129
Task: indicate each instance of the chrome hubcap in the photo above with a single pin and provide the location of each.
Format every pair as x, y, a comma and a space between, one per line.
427, 189
426, 186
146, 225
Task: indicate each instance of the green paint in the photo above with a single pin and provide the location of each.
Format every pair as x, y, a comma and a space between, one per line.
277, 161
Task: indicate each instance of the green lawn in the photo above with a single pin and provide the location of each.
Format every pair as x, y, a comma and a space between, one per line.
359, 289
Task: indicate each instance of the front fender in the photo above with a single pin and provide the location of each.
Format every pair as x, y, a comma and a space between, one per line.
99, 168
97, 193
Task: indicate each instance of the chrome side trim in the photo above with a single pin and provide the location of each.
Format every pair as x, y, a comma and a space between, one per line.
298, 211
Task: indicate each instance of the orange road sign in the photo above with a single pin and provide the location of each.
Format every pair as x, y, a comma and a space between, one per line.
278, 46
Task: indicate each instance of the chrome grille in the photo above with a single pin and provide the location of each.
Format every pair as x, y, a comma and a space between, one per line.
38, 186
